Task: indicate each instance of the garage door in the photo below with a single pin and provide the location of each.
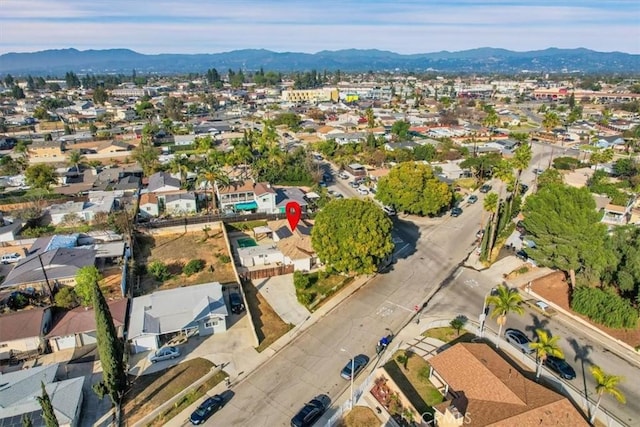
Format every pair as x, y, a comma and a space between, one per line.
68, 341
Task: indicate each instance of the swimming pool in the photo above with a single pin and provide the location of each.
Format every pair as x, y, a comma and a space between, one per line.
246, 242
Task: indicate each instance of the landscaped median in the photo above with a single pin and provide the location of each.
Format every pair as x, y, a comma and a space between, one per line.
156, 398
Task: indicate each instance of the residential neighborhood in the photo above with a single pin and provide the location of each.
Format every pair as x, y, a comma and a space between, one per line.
147, 217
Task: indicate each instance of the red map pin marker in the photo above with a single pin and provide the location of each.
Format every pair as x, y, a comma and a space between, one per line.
293, 214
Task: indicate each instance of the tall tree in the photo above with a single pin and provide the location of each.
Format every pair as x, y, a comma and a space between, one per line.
565, 226
75, 158
550, 121
352, 235
210, 174
26, 421
413, 188
505, 300
503, 171
48, 414
110, 350
546, 345
41, 175
181, 165
371, 119
608, 384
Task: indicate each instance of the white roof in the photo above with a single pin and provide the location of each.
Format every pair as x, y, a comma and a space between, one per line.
176, 309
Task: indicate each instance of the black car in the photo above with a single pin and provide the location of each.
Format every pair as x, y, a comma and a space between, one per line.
561, 367
359, 362
208, 408
311, 412
456, 212
524, 188
485, 188
237, 306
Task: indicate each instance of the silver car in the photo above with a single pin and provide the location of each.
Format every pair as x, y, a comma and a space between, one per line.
518, 339
164, 353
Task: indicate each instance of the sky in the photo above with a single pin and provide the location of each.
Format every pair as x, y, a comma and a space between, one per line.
402, 26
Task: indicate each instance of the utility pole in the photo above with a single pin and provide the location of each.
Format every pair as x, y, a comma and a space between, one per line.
46, 279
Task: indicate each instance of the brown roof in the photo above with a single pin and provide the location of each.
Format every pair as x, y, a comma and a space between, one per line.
237, 187
21, 324
148, 198
615, 208
263, 188
296, 245
83, 320
493, 393
325, 129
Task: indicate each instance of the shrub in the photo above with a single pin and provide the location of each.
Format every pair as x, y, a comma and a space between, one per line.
300, 280
66, 298
159, 271
193, 266
225, 259
305, 298
604, 307
566, 163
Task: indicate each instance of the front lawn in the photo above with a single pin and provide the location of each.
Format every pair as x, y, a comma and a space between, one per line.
412, 376
314, 289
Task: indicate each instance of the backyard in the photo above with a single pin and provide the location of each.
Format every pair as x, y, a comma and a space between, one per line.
148, 392
176, 250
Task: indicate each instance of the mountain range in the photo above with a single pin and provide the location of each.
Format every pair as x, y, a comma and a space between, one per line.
482, 60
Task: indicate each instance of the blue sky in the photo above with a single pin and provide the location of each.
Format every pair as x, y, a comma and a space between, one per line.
403, 26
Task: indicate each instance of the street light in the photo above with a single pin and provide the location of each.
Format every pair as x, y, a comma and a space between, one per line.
353, 362
483, 315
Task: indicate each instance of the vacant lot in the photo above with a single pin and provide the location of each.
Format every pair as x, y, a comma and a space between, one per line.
148, 392
268, 325
320, 287
360, 416
178, 249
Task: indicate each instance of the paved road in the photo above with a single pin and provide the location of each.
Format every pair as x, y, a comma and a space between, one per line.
311, 363
465, 296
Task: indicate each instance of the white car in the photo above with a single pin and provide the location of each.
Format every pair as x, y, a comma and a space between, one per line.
343, 175
11, 258
164, 353
363, 191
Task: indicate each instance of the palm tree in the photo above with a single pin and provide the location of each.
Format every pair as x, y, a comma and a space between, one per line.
181, 165
503, 171
605, 383
212, 174
546, 345
550, 120
75, 158
505, 300
520, 161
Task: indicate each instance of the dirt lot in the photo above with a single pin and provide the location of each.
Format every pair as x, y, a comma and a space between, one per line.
268, 325
360, 416
178, 249
555, 288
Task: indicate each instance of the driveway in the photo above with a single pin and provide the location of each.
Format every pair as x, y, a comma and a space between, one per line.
281, 296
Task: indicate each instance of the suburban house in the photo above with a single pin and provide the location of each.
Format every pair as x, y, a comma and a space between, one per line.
285, 195
60, 257
9, 230
247, 196
20, 390
482, 389
149, 205
609, 141
102, 203
77, 327
25, 330
43, 149
157, 317
295, 246
180, 203
162, 182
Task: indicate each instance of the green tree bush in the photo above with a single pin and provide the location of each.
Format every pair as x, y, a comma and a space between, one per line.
300, 280
66, 298
85, 278
352, 235
193, 267
159, 270
604, 307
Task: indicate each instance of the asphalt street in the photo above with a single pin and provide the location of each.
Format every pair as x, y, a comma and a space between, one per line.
312, 362
582, 347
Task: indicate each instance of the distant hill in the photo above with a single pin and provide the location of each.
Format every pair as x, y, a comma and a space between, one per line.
482, 60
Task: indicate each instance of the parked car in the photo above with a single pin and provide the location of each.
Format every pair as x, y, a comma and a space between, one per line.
11, 258
561, 367
456, 212
524, 257
363, 191
206, 409
359, 362
337, 195
485, 188
518, 339
343, 175
472, 199
164, 353
524, 188
538, 171
235, 301
311, 411
354, 184
389, 210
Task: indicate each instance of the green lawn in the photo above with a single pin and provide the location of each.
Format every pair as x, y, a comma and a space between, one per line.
322, 286
414, 382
